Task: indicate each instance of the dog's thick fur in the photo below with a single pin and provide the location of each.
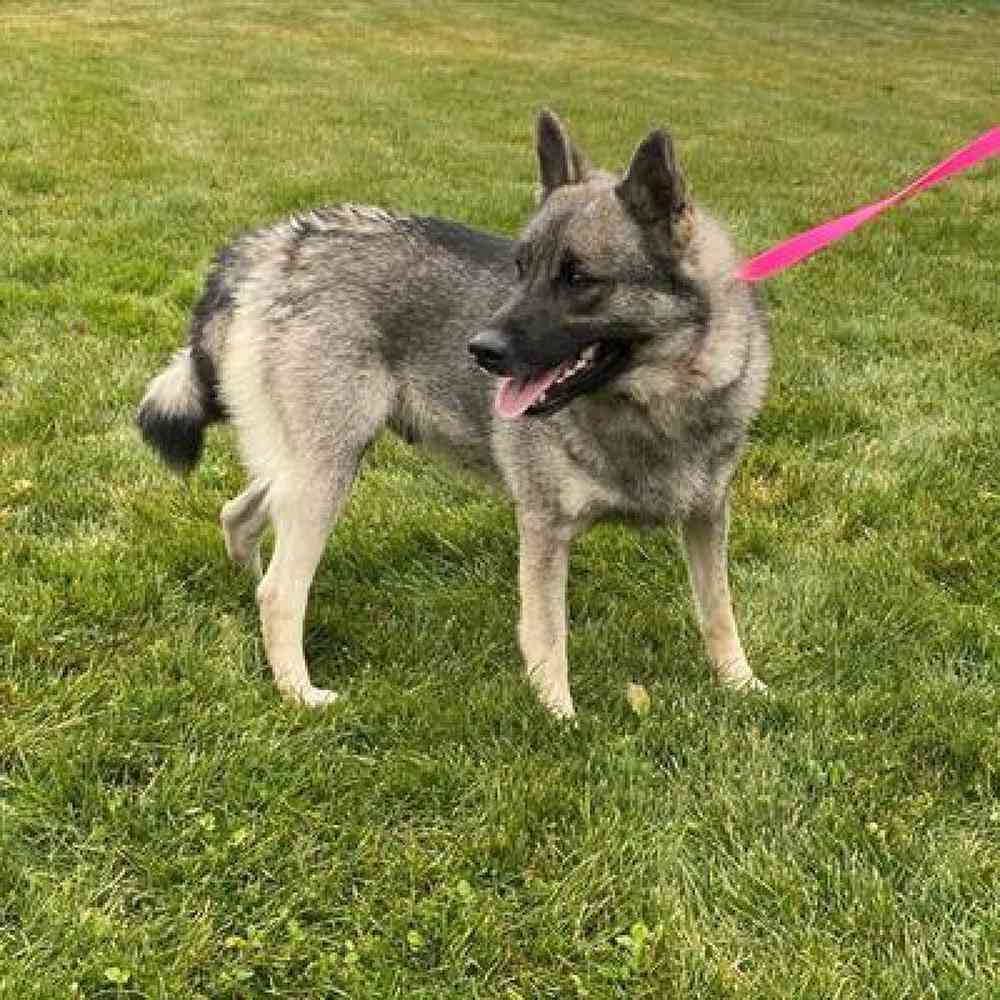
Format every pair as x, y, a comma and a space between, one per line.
620, 363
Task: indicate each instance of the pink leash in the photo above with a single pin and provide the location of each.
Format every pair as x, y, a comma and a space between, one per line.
797, 248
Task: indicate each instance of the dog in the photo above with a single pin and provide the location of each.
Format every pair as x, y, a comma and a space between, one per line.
604, 365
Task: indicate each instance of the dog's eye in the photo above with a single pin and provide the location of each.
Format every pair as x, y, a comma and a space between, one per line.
573, 275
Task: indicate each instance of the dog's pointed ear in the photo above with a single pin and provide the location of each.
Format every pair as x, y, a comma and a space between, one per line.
559, 161
653, 188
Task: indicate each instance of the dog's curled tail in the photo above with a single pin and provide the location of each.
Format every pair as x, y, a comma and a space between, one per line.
177, 407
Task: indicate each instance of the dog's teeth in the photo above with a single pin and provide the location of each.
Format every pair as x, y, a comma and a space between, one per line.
570, 371
582, 363
589, 353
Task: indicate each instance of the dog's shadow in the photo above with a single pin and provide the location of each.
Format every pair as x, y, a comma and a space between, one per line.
415, 597
411, 595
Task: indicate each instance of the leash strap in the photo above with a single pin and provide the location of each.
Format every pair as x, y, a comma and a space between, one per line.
789, 252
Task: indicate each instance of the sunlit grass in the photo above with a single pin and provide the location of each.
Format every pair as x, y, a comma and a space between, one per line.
171, 828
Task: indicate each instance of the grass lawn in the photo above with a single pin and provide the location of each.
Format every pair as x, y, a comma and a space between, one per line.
170, 828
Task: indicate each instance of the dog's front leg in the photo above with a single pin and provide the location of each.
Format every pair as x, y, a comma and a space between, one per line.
704, 537
544, 560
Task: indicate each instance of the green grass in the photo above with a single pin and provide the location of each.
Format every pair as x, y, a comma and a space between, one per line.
169, 828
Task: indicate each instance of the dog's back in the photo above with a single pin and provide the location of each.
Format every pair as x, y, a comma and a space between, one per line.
329, 314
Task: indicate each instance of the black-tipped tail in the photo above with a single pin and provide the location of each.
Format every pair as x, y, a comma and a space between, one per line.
173, 414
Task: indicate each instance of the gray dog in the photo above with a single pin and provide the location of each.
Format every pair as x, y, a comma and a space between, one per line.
605, 365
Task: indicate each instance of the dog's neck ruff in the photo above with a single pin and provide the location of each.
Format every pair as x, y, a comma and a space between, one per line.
789, 252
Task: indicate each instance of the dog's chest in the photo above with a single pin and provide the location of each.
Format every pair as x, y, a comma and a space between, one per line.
632, 469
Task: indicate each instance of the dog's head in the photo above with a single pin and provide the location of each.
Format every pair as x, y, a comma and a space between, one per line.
601, 271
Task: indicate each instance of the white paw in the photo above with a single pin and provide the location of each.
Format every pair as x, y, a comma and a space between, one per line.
562, 709
557, 702
309, 696
743, 683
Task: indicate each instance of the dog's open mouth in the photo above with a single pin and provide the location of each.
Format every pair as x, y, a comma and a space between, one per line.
551, 390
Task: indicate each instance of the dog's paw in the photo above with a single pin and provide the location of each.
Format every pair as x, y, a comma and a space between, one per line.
558, 704
310, 697
318, 697
563, 711
552, 689
748, 683
752, 685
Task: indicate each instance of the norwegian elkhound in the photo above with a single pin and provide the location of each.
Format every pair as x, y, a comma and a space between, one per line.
606, 364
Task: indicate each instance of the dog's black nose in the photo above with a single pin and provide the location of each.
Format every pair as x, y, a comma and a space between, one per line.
489, 348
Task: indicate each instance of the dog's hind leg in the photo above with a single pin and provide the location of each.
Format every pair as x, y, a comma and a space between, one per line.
704, 537
542, 572
302, 510
243, 521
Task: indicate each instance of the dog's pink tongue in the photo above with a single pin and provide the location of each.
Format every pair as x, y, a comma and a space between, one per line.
515, 395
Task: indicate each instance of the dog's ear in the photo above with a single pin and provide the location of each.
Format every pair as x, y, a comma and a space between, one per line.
559, 161
653, 189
